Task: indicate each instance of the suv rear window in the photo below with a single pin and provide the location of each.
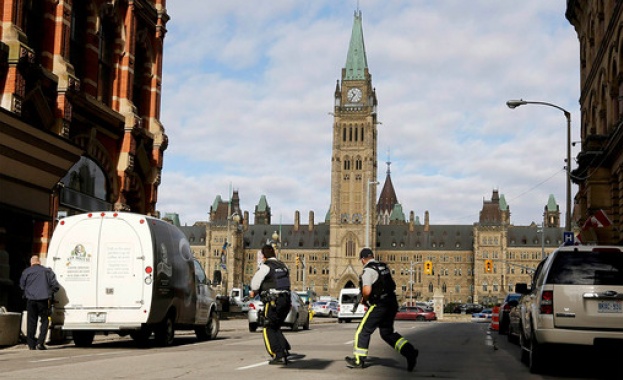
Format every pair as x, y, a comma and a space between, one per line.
587, 268
349, 298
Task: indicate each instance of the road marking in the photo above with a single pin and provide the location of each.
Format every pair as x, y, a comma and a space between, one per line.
78, 356
252, 366
350, 342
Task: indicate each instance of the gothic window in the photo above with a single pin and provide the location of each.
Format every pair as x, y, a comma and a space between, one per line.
350, 248
344, 134
358, 164
484, 286
361, 134
443, 287
430, 287
350, 134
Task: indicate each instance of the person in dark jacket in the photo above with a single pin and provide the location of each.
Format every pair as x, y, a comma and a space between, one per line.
272, 283
39, 284
378, 291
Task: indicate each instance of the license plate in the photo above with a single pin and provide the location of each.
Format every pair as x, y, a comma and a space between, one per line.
610, 307
97, 317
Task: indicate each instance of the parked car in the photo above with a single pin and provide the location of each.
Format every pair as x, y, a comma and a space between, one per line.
427, 306
575, 300
325, 309
415, 313
510, 300
514, 325
297, 317
484, 315
468, 308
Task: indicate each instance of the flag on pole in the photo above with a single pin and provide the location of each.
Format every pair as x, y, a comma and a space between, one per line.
598, 220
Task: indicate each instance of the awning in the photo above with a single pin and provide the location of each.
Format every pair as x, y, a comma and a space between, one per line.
32, 161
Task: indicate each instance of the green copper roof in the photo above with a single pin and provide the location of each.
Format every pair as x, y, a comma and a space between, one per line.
262, 206
503, 204
356, 61
216, 202
551, 203
397, 213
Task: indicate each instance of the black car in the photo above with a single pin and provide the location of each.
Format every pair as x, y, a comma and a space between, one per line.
468, 308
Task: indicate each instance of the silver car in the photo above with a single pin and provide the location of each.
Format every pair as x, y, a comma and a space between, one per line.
325, 309
297, 317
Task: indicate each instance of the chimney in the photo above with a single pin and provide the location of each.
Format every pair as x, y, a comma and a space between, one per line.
297, 221
311, 221
426, 221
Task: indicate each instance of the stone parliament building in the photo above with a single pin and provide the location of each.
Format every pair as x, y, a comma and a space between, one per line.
478, 263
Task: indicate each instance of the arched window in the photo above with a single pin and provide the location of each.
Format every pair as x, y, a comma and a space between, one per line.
86, 177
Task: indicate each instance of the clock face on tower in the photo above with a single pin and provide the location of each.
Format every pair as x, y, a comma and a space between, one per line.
354, 95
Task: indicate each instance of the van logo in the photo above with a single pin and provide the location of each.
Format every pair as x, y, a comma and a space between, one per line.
79, 253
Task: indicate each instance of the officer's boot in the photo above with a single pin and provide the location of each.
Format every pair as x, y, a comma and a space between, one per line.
410, 353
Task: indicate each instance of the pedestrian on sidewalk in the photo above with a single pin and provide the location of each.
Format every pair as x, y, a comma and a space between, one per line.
39, 285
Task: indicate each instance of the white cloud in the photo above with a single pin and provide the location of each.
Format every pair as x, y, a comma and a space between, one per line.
248, 85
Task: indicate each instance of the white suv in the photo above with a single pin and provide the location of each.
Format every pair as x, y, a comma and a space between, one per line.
576, 298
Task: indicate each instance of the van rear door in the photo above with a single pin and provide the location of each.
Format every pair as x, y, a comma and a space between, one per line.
74, 249
121, 262
100, 261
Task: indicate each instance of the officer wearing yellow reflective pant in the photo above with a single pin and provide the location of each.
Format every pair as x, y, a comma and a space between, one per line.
378, 292
272, 283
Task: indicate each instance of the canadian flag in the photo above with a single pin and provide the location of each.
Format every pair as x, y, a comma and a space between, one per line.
598, 220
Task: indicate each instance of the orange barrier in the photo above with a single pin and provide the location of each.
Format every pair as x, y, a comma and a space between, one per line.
495, 319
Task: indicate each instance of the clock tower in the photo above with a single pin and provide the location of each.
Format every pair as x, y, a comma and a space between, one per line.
353, 165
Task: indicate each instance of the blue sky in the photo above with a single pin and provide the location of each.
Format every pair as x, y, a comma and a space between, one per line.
248, 85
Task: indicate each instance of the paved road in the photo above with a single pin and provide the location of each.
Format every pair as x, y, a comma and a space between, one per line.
447, 350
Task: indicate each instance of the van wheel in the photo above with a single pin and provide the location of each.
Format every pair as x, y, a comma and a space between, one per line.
210, 330
83, 338
252, 326
306, 324
165, 332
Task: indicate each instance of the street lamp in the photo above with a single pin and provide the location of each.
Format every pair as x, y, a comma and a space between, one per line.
370, 183
516, 103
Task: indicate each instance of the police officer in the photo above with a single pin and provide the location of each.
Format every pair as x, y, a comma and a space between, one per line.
39, 284
272, 283
378, 292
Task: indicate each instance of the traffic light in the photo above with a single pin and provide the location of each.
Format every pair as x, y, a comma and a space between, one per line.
298, 261
428, 267
488, 266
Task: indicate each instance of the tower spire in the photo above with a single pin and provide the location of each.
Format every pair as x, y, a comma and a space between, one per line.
356, 61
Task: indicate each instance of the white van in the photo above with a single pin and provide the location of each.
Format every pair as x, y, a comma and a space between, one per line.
128, 274
346, 303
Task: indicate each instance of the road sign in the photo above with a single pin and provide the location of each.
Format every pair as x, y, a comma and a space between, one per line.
568, 238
